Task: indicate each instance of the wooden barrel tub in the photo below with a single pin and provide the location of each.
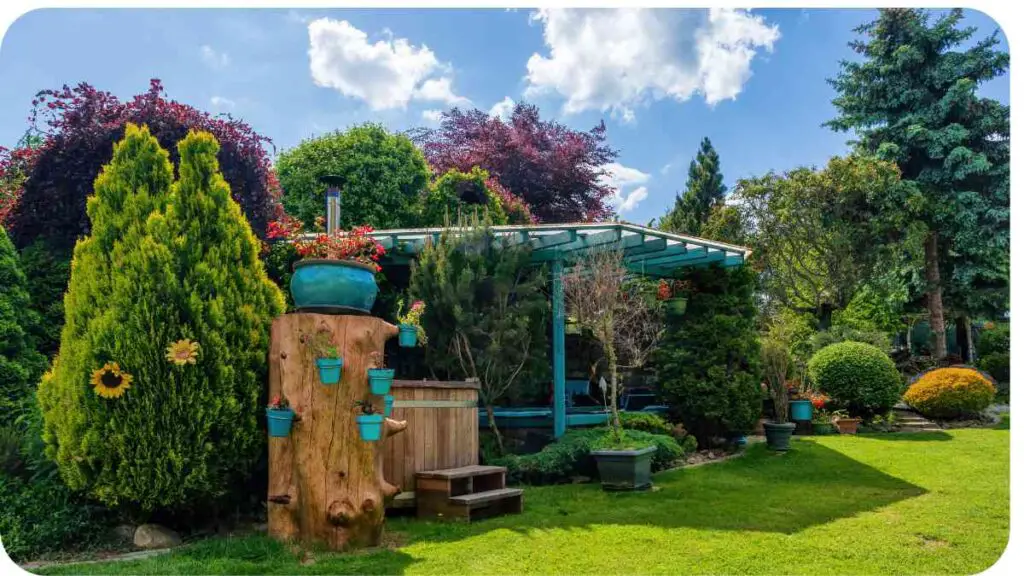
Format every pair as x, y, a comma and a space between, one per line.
443, 430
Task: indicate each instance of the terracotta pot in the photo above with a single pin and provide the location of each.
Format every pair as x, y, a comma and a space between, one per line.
847, 425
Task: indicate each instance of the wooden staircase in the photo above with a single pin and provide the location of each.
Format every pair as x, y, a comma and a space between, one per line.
468, 493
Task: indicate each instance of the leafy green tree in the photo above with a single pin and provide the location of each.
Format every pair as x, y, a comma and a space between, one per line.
913, 100
704, 191
457, 192
20, 363
153, 401
486, 313
725, 224
384, 177
708, 362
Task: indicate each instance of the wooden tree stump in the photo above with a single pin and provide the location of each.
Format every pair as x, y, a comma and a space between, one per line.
326, 483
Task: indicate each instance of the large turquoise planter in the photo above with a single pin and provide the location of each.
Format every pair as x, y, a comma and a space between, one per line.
370, 426
333, 286
380, 380
800, 410
279, 422
330, 370
406, 335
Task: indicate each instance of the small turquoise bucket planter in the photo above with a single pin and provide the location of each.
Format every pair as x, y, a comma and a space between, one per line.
389, 403
279, 422
380, 380
406, 335
800, 410
330, 370
370, 426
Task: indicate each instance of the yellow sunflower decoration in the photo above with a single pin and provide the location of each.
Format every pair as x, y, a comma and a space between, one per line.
183, 352
110, 381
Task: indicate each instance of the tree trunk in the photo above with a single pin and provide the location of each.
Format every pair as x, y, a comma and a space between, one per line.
614, 371
824, 314
964, 338
326, 483
494, 428
935, 312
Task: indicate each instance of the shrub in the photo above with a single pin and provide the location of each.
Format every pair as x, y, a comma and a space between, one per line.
384, 177
163, 264
708, 362
841, 333
950, 393
857, 376
460, 192
20, 363
570, 456
47, 269
994, 353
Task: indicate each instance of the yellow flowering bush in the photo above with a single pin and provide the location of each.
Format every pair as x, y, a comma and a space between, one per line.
950, 393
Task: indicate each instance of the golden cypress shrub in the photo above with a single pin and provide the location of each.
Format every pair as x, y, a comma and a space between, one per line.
950, 393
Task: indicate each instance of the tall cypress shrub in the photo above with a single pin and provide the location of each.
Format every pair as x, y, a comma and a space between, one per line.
20, 363
168, 296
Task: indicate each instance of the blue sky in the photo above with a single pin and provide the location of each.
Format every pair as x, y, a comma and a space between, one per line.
752, 82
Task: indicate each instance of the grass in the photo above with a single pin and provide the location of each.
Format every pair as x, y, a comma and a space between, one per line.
927, 503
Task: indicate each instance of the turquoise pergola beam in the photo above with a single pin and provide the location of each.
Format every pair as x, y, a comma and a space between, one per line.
558, 345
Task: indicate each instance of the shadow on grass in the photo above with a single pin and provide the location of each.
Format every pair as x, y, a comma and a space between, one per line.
937, 436
761, 491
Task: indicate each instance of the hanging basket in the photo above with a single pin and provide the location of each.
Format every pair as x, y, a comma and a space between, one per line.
406, 335
370, 426
380, 380
279, 422
330, 370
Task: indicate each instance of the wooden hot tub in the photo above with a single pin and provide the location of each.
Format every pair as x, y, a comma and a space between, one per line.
443, 430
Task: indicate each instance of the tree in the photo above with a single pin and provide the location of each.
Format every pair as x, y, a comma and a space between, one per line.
384, 177
20, 363
555, 170
704, 191
461, 192
494, 308
913, 100
153, 401
708, 363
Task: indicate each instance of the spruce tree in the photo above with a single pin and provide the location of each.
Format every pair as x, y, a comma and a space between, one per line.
913, 100
20, 363
168, 290
704, 191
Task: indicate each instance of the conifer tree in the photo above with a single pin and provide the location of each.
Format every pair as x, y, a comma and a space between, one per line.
20, 363
704, 191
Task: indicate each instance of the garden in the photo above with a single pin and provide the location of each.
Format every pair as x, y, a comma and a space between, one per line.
441, 351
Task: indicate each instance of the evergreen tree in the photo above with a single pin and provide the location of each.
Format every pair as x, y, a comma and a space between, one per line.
704, 191
154, 398
20, 363
913, 100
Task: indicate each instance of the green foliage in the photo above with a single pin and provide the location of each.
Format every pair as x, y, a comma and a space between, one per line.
645, 422
708, 362
20, 363
163, 262
570, 456
384, 177
278, 259
856, 376
704, 191
844, 333
995, 340
47, 269
725, 224
872, 310
456, 193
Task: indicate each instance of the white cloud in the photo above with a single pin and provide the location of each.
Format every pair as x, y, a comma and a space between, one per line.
666, 168
622, 178
503, 109
618, 59
214, 59
385, 74
222, 103
432, 116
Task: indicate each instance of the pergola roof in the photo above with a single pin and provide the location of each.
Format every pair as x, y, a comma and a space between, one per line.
647, 251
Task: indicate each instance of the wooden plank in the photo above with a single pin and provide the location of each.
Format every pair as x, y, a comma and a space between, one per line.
461, 472
482, 498
455, 384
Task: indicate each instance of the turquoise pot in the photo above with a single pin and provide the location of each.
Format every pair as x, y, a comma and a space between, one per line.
279, 422
380, 380
336, 286
800, 410
370, 426
389, 403
330, 370
406, 335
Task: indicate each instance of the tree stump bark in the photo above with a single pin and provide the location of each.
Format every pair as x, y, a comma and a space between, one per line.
326, 483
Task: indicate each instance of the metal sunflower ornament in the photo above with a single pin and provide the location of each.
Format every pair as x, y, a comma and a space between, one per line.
110, 381
183, 352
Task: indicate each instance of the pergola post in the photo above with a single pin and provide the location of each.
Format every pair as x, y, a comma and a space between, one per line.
558, 345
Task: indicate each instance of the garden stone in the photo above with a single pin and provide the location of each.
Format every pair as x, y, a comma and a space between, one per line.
124, 532
152, 536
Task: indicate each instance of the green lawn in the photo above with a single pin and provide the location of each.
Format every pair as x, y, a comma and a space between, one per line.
932, 503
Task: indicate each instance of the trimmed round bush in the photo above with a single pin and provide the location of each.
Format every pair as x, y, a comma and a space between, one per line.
950, 393
856, 375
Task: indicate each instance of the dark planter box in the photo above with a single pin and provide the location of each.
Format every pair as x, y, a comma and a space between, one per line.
777, 435
624, 469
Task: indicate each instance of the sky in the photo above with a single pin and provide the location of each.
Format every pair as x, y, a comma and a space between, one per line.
754, 82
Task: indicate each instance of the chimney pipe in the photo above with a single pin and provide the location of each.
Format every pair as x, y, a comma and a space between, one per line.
333, 204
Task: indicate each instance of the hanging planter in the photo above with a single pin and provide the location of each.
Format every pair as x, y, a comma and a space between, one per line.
330, 370
409, 330
389, 403
328, 359
407, 336
279, 418
380, 377
370, 422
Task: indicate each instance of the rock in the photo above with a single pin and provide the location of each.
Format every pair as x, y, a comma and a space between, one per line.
150, 536
124, 532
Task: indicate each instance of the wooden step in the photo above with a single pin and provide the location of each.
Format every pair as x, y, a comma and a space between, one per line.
471, 507
463, 472
483, 498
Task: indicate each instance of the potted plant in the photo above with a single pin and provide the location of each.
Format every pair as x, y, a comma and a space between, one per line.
822, 420
335, 272
621, 464
410, 332
843, 421
279, 417
370, 421
776, 360
800, 409
380, 377
328, 360
666, 294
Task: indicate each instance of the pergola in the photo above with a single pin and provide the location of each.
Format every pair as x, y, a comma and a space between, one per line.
647, 252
